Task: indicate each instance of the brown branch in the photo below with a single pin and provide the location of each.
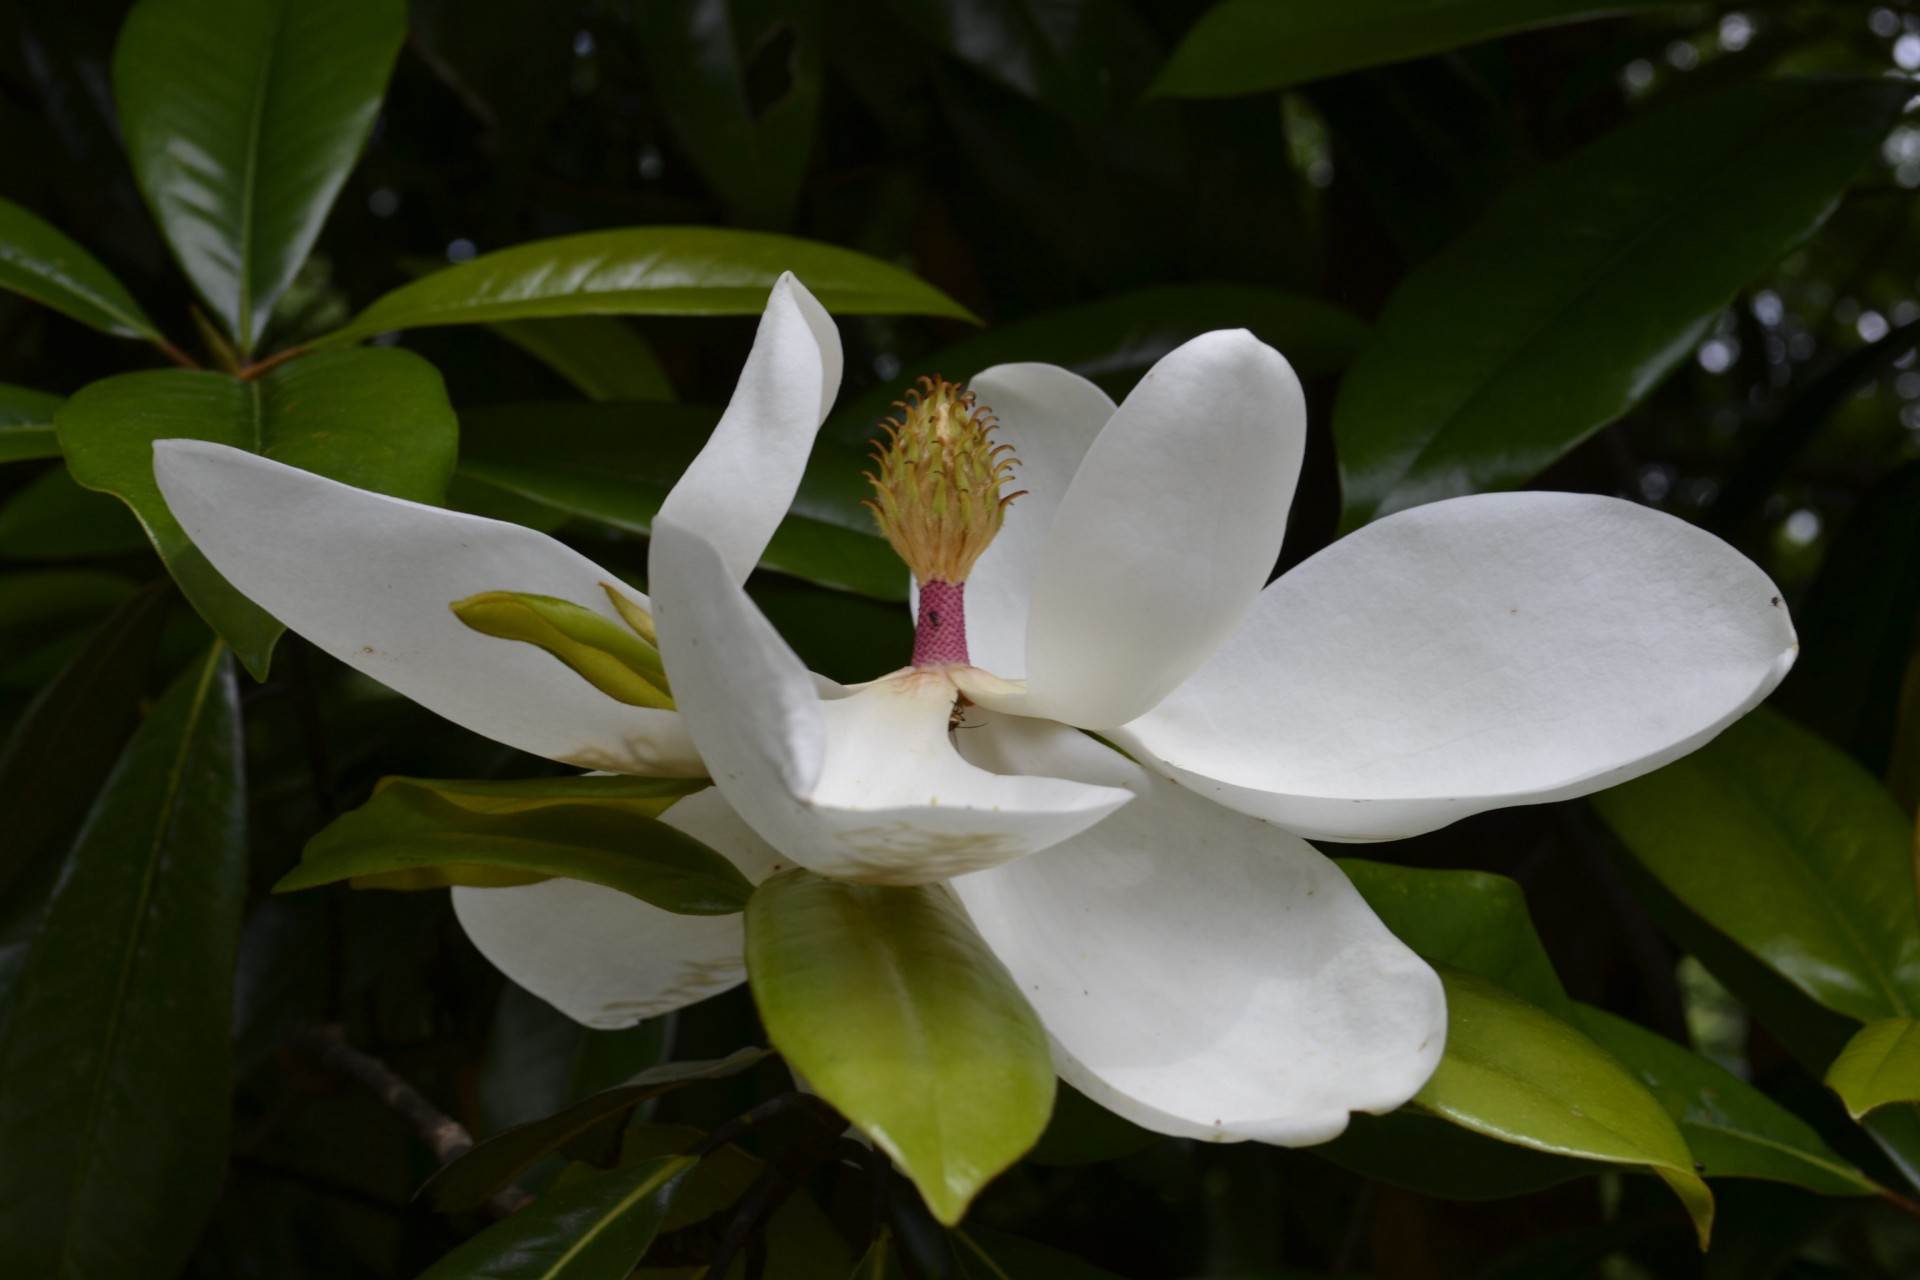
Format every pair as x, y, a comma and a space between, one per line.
273, 361
174, 353
326, 1045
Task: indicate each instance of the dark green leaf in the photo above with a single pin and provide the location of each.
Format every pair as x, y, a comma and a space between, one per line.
47, 616
377, 419
242, 118
114, 1042
880, 1262
1246, 46
1577, 292
753, 152
39, 261
1519, 1074
601, 355
1082, 1131
1437, 1157
416, 834
53, 518
615, 463
1879, 1067
59, 754
980, 1253
26, 424
892, 1008
466, 1183
647, 271
539, 1060
1734, 1130
1788, 847
593, 1229
1472, 920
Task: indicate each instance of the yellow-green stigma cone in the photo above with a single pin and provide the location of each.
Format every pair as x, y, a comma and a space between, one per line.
937, 490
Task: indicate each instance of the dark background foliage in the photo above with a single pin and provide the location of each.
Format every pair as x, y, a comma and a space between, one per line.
1004, 152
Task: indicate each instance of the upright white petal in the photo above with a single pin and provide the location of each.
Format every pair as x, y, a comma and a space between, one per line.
607, 959
737, 491
1202, 973
369, 579
1050, 417
866, 787
1466, 655
1168, 531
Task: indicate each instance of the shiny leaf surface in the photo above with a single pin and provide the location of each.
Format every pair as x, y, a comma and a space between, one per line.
891, 1007
1519, 1074
114, 1040
242, 119
422, 835
593, 1229
1247, 46
600, 355
39, 261
1880, 1066
646, 271
466, 1182
377, 419
1584, 285
1782, 843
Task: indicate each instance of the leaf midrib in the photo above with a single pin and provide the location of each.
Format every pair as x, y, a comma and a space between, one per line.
249, 179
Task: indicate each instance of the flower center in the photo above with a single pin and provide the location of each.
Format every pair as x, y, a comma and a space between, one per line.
938, 501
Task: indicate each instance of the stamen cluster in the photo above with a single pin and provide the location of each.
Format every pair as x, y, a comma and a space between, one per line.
937, 491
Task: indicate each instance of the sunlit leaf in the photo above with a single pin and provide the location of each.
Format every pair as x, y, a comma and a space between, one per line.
1583, 286
114, 1039
39, 261
892, 1008
1879, 1067
242, 119
377, 419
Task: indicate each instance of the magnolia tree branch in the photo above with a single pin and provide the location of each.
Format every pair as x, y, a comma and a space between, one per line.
326, 1045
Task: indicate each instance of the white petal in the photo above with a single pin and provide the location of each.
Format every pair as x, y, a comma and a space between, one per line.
1051, 417
1204, 974
737, 491
865, 787
605, 958
1168, 532
1467, 655
369, 579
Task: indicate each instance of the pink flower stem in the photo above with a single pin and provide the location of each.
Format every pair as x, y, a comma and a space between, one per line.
941, 638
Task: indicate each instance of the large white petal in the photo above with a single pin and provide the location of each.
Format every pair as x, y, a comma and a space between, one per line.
369, 579
865, 787
605, 958
737, 491
1051, 417
1466, 655
1168, 531
1202, 973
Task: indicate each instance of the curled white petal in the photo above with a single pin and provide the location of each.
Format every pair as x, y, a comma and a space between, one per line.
1472, 654
369, 579
1202, 973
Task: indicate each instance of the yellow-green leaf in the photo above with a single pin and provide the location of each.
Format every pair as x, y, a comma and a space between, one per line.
1879, 1066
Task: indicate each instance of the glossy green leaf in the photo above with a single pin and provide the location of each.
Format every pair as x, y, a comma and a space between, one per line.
1436, 1157
600, 355
1247, 46
242, 119
539, 1060
604, 653
465, 1183
1472, 920
377, 419
647, 271
1880, 1066
1517, 1073
39, 261
593, 1229
26, 424
1733, 1129
891, 1007
981, 1253
114, 1040
415, 834
1583, 286
52, 518
63, 746
881, 1260
753, 153
615, 463
1782, 843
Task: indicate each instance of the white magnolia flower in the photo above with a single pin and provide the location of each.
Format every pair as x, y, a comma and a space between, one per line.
1200, 968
